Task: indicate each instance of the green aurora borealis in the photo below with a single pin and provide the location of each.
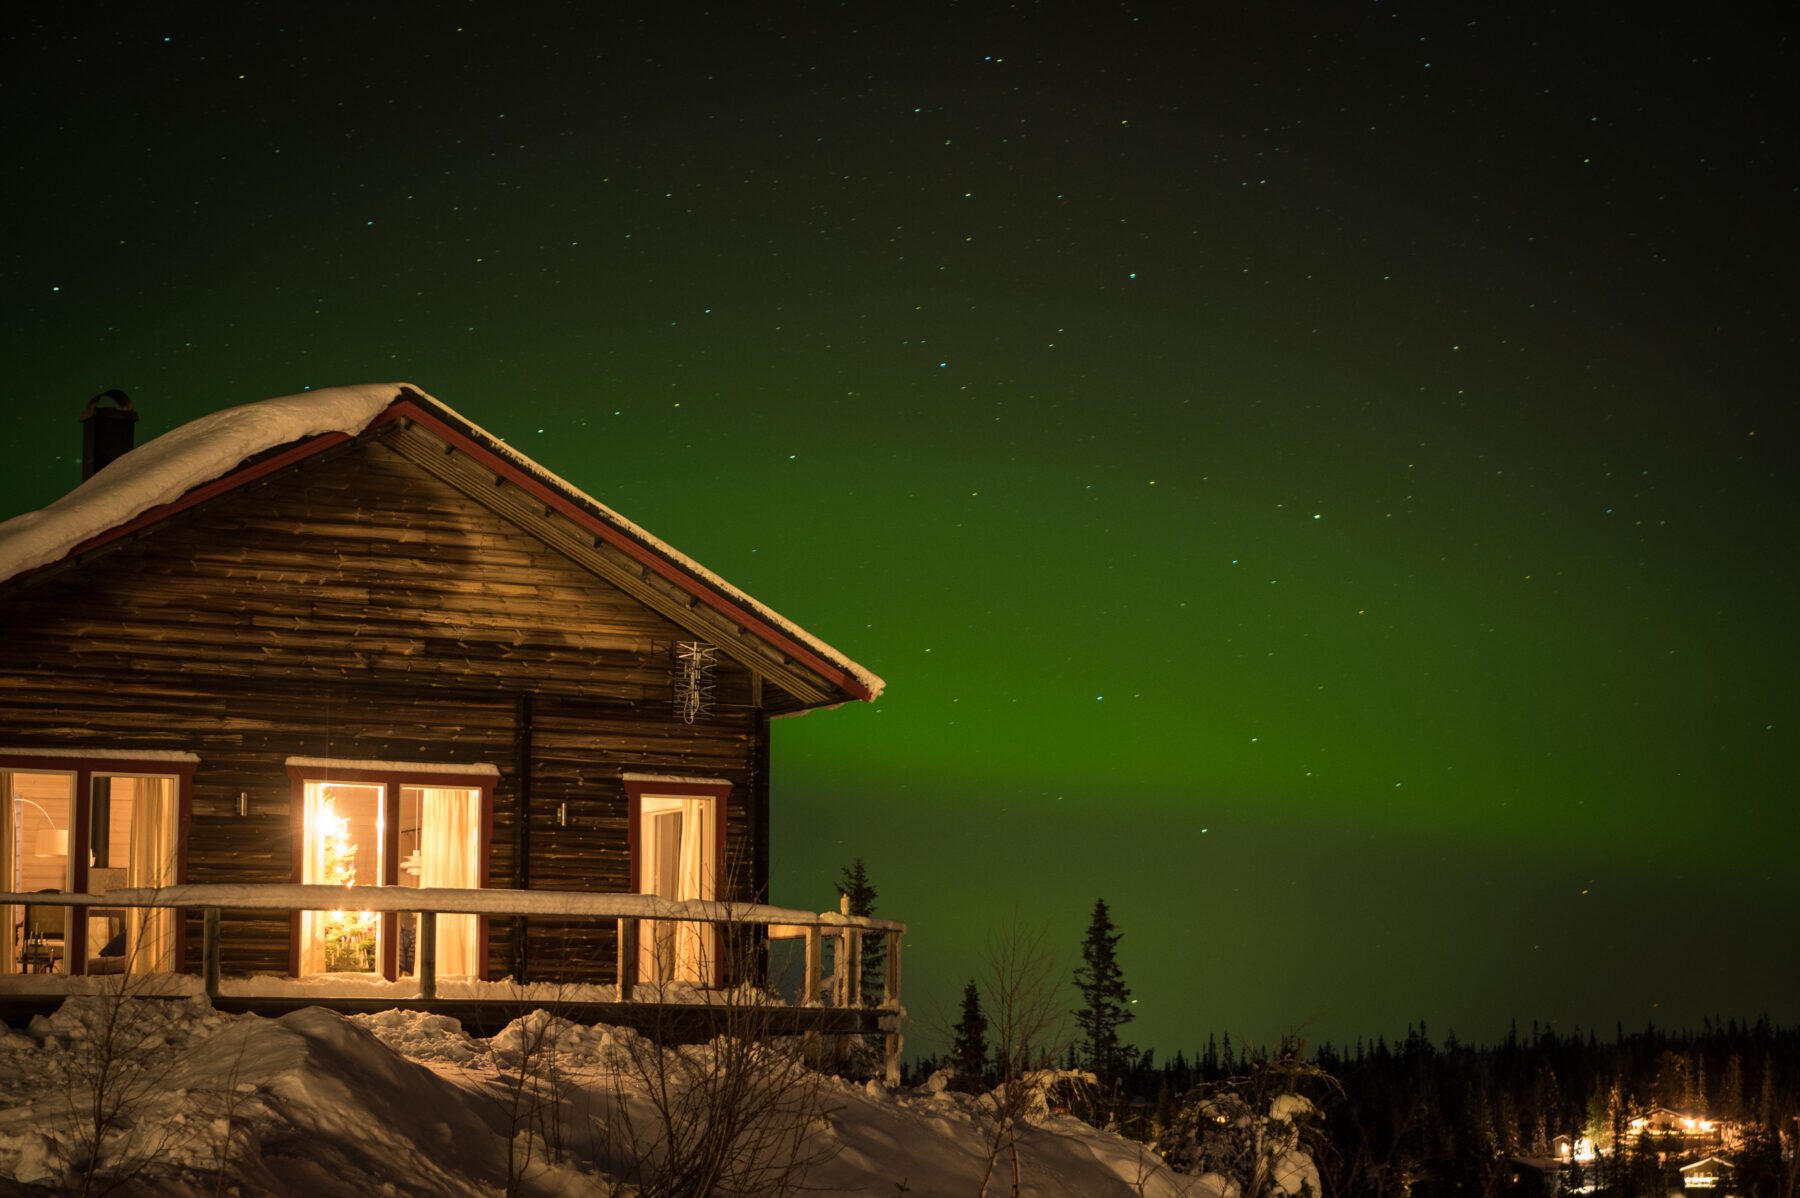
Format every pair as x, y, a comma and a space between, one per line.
1319, 479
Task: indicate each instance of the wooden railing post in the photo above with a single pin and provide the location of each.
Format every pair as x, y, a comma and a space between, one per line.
628, 958
840, 990
814, 946
848, 974
426, 963
853, 958
209, 952
890, 990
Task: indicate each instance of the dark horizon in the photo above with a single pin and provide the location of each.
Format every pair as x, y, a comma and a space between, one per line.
1520, 1032
1318, 479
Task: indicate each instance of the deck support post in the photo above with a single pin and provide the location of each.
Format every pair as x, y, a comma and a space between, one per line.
890, 1002
848, 974
426, 964
891, 1046
209, 952
628, 958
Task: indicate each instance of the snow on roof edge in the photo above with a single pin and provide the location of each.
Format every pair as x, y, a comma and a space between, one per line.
165, 468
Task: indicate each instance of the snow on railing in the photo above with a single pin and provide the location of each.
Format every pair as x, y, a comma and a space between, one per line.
846, 930
843, 988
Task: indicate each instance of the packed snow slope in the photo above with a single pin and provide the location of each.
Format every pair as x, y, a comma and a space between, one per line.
194, 1102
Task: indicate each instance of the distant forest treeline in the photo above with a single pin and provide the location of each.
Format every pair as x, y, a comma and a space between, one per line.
1431, 1120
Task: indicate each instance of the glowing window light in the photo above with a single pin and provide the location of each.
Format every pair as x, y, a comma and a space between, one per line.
349, 935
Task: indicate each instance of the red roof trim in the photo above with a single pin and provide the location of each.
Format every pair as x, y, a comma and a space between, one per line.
639, 552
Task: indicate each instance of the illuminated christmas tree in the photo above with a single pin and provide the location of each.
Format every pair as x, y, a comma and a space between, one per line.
349, 935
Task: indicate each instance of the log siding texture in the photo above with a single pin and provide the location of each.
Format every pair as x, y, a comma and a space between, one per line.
357, 605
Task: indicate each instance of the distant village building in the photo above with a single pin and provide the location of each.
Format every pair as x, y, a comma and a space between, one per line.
1664, 1125
1708, 1173
1572, 1148
1674, 1137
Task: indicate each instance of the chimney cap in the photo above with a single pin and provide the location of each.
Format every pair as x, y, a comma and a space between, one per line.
117, 396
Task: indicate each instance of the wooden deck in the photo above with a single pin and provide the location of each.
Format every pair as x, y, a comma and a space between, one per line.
828, 1005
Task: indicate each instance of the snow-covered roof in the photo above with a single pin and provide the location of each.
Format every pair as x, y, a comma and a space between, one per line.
163, 470
202, 451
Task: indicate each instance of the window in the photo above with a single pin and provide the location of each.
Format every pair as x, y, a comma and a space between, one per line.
404, 825
129, 832
134, 841
677, 832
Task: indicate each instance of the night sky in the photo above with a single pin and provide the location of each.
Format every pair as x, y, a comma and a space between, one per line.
1319, 477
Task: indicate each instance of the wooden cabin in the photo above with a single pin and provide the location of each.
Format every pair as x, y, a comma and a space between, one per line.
1709, 1173
349, 638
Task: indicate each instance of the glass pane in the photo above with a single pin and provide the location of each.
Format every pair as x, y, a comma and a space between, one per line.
133, 842
676, 862
42, 808
440, 847
344, 825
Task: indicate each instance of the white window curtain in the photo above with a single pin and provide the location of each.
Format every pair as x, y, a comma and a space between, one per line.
680, 951
154, 854
312, 869
450, 855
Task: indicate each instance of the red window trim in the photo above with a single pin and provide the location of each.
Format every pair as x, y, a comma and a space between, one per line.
84, 769
391, 781
637, 789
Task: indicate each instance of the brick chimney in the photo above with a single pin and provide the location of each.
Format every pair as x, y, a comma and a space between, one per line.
106, 433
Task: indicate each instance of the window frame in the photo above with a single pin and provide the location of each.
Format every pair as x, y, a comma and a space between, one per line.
640, 786
433, 774
48, 760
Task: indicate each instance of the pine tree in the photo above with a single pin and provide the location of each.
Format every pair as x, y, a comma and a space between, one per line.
969, 1053
1620, 1183
1731, 1089
1106, 1001
855, 885
1164, 1117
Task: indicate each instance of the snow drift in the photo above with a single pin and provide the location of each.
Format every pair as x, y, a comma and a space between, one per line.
406, 1103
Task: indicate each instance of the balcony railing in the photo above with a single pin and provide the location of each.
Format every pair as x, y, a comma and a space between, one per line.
843, 932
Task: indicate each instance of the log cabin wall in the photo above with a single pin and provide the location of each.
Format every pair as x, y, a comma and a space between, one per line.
356, 606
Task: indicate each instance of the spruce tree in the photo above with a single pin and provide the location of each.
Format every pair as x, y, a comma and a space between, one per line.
1106, 1001
969, 1054
1731, 1089
855, 885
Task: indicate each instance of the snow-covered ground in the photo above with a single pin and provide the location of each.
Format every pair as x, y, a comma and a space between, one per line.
405, 1103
